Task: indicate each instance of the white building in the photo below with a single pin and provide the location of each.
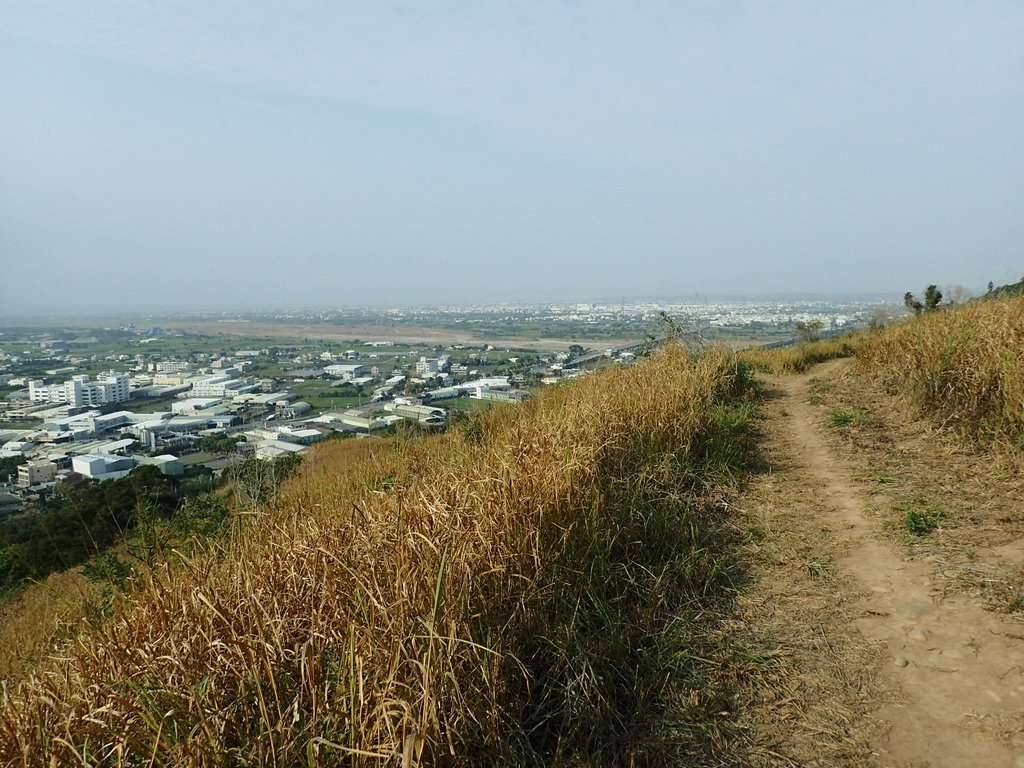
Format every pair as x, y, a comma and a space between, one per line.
221, 386
17, 448
79, 390
358, 420
102, 466
479, 387
293, 410
36, 473
344, 372
193, 405
422, 413
170, 366
275, 449
172, 379
428, 367
300, 436
444, 393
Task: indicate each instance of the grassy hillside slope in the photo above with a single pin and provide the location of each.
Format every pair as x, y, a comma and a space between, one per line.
963, 366
535, 587
799, 357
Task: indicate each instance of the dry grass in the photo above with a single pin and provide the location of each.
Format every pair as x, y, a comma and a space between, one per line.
962, 366
44, 613
531, 589
799, 357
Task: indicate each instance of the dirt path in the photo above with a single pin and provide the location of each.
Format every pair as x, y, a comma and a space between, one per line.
952, 672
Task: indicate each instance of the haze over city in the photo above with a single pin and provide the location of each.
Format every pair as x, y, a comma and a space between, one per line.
204, 156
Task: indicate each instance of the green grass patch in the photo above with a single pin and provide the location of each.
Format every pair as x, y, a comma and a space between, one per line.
840, 419
921, 521
467, 404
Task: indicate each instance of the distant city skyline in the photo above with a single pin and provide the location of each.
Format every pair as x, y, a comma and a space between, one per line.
192, 156
630, 303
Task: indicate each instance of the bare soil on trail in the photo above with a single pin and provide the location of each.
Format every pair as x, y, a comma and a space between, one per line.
874, 651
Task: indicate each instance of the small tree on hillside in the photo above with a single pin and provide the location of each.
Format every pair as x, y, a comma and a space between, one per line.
932, 299
912, 304
809, 331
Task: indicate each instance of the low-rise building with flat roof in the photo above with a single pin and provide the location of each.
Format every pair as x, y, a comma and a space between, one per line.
167, 464
274, 449
193, 405
36, 473
102, 466
224, 386
345, 372
300, 436
423, 413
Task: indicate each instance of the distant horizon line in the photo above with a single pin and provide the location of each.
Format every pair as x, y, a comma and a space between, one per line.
699, 298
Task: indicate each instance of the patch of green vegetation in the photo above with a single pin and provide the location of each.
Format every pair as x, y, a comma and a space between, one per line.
82, 519
843, 417
921, 521
467, 404
815, 568
25, 424
9, 466
840, 419
753, 534
729, 448
149, 404
323, 397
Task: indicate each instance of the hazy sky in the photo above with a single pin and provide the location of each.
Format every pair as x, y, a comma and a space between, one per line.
206, 154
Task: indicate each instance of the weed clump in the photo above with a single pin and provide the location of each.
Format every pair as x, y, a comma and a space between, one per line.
840, 419
921, 521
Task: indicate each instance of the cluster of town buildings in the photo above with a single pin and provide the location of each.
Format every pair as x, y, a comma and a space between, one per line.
84, 430
630, 317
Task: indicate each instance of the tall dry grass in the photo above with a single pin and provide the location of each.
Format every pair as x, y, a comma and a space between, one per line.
532, 588
40, 615
799, 357
964, 366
